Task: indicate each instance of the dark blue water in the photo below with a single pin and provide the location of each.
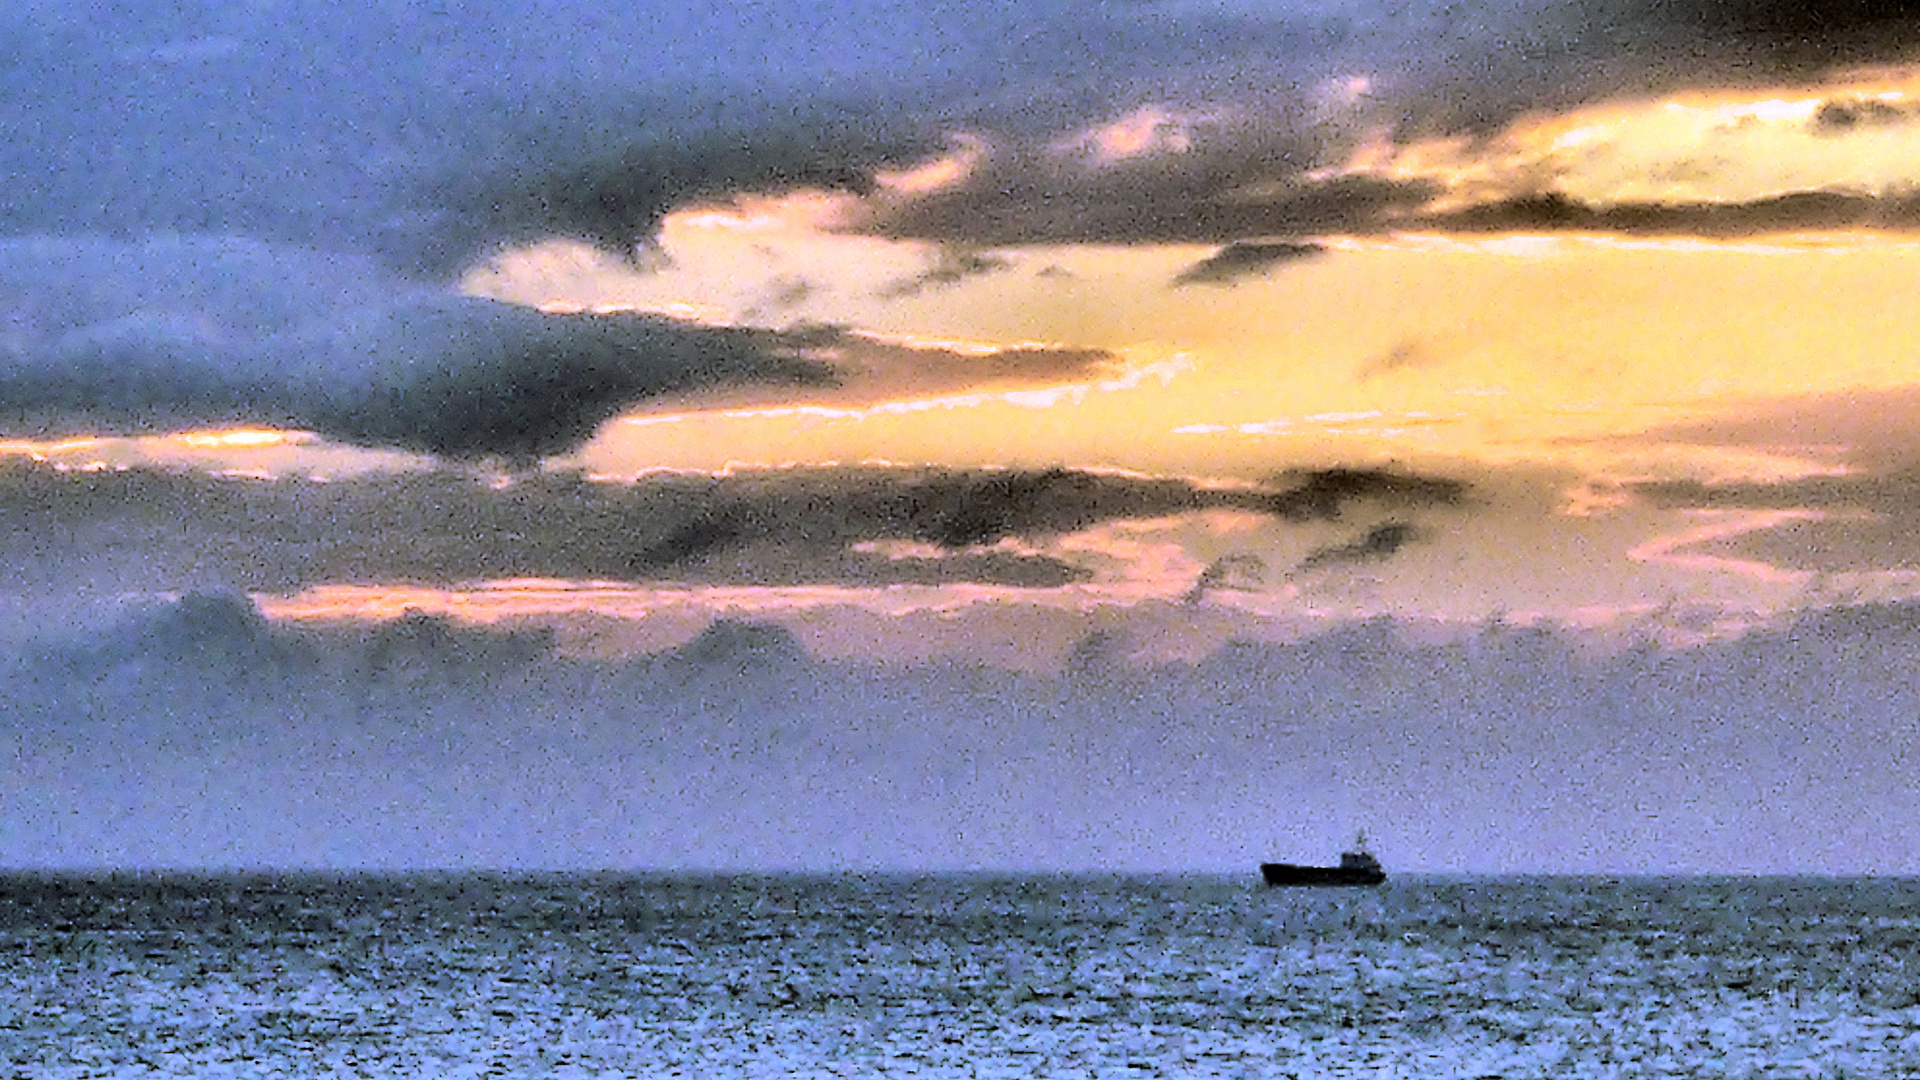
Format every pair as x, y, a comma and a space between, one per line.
620, 976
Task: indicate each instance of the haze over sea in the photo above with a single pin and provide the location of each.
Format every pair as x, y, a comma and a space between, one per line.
472, 975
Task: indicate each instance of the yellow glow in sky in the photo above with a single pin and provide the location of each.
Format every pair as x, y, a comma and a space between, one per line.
1413, 349
239, 438
1550, 372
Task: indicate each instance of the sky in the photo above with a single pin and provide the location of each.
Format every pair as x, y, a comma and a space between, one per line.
1153, 435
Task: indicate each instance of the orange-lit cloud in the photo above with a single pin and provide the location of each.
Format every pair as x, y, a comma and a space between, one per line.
1151, 129
1858, 135
937, 173
1556, 348
47, 449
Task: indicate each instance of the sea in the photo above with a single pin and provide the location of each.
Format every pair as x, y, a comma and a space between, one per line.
471, 975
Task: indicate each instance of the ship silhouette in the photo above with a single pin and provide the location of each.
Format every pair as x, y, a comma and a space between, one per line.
1357, 867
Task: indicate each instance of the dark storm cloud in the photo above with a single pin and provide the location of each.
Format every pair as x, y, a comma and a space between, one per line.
471, 378
185, 333
771, 527
613, 193
331, 153
1253, 146
1822, 32
197, 332
199, 629
1242, 260
424, 135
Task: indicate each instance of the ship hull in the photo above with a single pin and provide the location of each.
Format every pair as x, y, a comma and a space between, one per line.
1280, 874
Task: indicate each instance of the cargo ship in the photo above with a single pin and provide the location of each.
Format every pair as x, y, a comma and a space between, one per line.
1357, 867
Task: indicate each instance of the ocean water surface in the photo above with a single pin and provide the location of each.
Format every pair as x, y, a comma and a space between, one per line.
449, 976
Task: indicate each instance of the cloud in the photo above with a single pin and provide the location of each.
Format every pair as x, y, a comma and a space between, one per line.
994, 209
1839, 117
1151, 201
811, 516
740, 647
201, 332
230, 215
1855, 524
425, 143
614, 194
260, 195
870, 369
1848, 502
472, 378
1829, 32
786, 294
163, 330
418, 646
177, 746
1321, 494
1274, 156
1793, 212
859, 526
215, 645
1244, 259
1380, 542
1226, 572
950, 266
956, 511
1872, 494
1807, 484
1869, 430
205, 630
